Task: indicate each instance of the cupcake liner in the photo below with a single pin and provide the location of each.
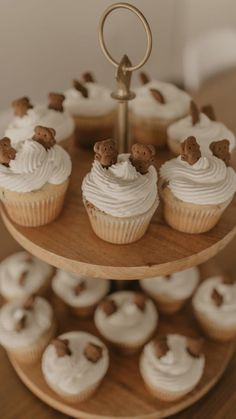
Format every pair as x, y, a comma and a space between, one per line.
32, 353
190, 218
150, 130
34, 209
174, 146
82, 312
169, 307
90, 129
119, 230
162, 394
214, 331
74, 398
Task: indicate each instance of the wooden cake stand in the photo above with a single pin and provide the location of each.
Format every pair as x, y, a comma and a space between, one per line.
69, 243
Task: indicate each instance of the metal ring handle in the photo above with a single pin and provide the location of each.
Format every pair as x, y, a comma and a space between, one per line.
146, 27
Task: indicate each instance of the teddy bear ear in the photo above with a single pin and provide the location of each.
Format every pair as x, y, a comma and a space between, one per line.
53, 131
96, 147
152, 149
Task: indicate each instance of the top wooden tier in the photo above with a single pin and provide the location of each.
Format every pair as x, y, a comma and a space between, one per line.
70, 244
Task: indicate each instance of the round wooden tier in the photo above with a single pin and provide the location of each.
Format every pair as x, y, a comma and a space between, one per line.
122, 394
70, 244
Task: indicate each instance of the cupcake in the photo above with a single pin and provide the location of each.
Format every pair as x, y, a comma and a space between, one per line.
156, 106
22, 275
74, 364
26, 327
93, 110
127, 320
34, 178
27, 116
197, 189
81, 295
120, 193
214, 305
203, 126
172, 291
172, 366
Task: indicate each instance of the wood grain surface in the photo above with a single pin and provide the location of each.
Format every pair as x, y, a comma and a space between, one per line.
70, 244
122, 394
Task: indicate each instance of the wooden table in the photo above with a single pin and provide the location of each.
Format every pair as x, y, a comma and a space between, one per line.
17, 402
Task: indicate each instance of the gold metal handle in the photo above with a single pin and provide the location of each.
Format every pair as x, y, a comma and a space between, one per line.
124, 70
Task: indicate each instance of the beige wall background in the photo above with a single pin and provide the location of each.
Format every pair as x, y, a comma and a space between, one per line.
46, 43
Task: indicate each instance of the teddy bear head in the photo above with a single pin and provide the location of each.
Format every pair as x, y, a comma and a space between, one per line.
93, 352
55, 101
44, 136
7, 152
21, 106
106, 152
81, 88
142, 156
220, 149
190, 150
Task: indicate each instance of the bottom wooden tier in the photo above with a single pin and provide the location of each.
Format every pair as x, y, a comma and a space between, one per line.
122, 393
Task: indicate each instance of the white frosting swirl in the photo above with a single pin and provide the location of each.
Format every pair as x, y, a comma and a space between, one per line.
206, 131
209, 181
120, 190
224, 315
21, 128
178, 286
75, 373
33, 167
128, 324
176, 101
98, 102
63, 285
176, 372
38, 321
11, 269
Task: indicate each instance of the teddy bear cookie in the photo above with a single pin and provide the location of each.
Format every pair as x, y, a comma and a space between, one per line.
220, 149
21, 106
190, 150
7, 152
55, 101
44, 136
120, 192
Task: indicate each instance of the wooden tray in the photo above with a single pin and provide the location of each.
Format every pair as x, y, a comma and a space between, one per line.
122, 394
70, 244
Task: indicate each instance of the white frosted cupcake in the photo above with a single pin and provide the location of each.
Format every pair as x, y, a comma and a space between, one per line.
22, 275
172, 366
79, 293
214, 305
34, 178
127, 320
93, 110
74, 364
120, 193
197, 189
172, 291
27, 116
202, 127
26, 327
157, 104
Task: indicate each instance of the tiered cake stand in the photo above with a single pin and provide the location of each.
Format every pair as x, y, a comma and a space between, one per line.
69, 243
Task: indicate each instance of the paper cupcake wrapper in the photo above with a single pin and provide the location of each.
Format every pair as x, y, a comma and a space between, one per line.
119, 230
34, 209
32, 353
214, 331
190, 218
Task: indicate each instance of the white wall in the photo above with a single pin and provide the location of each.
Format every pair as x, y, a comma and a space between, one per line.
46, 43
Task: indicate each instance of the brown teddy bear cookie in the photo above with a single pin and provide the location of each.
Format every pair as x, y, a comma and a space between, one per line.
217, 298
158, 96
21, 106
55, 101
82, 89
106, 152
62, 347
161, 346
194, 347
7, 152
144, 77
108, 306
21, 323
190, 150
220, 149
45, 136
79, 288
93, 352
88, 77
194, 113
142, 157
208, 110
140, 301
